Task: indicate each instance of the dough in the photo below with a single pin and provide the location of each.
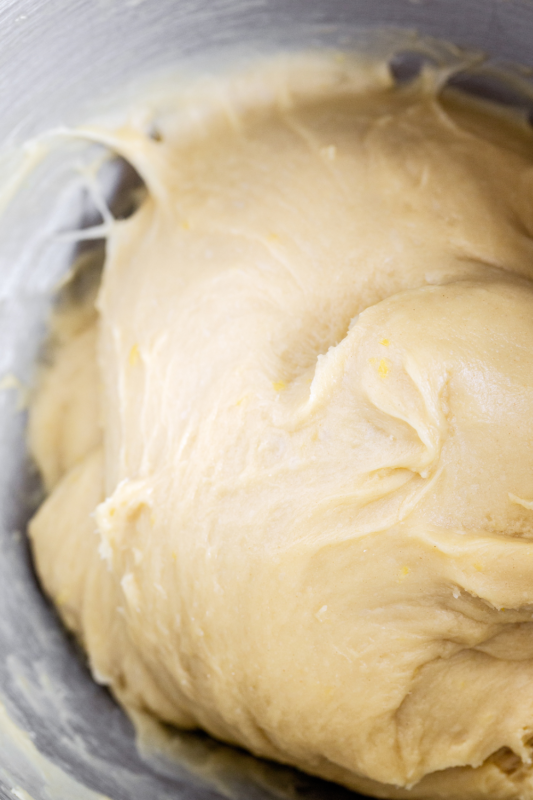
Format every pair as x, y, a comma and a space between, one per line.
290, 460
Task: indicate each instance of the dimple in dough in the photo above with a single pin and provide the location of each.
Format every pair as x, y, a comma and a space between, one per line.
290, 458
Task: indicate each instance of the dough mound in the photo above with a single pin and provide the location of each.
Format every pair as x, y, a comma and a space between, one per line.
290, 457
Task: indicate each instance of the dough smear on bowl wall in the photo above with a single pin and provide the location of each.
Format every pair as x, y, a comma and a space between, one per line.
288, 458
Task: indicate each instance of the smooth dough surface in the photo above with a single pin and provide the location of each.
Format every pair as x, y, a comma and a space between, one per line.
290, 458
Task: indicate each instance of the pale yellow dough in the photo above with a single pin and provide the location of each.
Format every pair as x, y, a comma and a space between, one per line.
290, 461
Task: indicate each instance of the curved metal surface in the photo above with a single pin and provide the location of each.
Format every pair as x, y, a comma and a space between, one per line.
61, 61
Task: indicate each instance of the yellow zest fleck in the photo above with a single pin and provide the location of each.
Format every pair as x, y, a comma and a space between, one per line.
11, 381
404, 572
279, 386
185, 224
112, 512
478, 567
134, 355
62, 597
273, 237
385, 342
174, 556
383, 368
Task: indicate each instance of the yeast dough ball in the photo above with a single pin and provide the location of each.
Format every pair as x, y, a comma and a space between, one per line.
290, 456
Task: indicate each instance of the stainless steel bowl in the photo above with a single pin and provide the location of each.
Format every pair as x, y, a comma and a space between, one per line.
62, 61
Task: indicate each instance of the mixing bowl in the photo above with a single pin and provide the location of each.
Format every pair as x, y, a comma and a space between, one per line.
62, 62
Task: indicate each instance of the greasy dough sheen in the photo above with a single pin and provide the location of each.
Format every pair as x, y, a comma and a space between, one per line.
289, 459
